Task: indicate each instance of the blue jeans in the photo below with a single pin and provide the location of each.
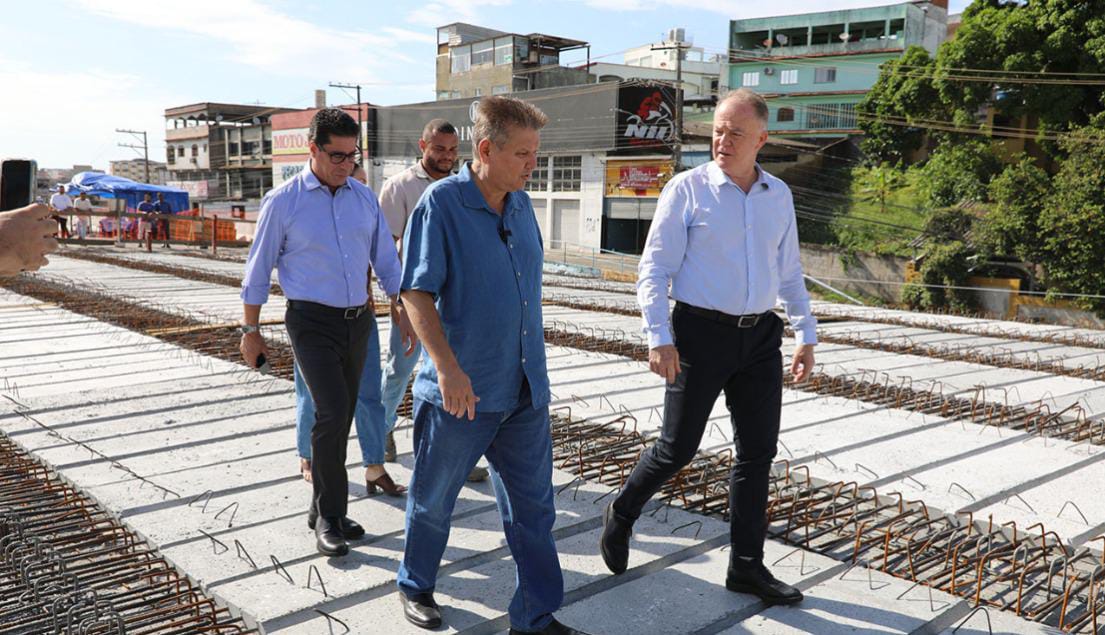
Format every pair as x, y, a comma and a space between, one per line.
518, 447
368, 415
397, 374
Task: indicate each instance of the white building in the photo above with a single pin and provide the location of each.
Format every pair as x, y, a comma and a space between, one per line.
657, 62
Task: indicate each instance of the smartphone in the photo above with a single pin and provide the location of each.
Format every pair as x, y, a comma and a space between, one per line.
17, 183
263, 366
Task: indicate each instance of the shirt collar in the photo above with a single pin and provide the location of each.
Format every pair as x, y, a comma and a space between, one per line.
719, 178
420, 171
471, 195
311, 181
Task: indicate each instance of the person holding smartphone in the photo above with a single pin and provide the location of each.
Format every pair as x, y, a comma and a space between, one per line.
26, 236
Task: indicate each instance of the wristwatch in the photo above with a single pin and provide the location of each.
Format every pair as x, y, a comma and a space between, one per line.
246, 329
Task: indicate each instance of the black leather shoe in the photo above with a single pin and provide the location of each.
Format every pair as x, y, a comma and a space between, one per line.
614, 543
350, 530
421, 610
329, 538
758, 581
554, 628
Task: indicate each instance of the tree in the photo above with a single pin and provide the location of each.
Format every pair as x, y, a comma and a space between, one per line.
946, 259
878, 183
959, 172
1072, 223
903, 94
1011, 226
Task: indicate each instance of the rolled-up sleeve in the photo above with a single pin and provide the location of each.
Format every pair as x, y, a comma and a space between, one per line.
384, 258
424, 267
661, 259
792, 286
392, 205
267, 243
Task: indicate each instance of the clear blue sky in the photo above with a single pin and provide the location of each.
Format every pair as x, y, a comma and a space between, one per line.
74, 70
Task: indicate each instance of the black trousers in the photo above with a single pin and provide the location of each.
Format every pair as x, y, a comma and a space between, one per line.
747, 365
330, 351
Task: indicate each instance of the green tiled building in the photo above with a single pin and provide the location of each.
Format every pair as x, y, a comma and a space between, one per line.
814, 68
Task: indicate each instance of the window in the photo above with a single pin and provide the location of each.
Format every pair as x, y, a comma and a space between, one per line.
750, 79
266, 146
443, 94
785, 114
500, 89
504, 51
831, 116
896, 28
232, 148
170, 152
461, 58
483, 53
195, 150
477, 92
567, 173
789, 77
539, 178
549, 60
824, 75
521, 49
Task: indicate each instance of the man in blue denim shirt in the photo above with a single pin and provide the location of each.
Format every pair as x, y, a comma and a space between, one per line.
472, 286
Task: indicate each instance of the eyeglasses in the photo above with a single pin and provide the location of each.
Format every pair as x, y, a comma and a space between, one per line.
337, 158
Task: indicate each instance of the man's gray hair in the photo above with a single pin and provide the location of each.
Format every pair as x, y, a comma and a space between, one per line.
750, 97
496, 115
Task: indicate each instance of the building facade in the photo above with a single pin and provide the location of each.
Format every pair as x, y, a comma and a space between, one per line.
814, 68
657, 62
135, 170
605, 154
220, 152
473, 61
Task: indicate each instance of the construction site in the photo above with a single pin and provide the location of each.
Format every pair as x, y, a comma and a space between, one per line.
936, 474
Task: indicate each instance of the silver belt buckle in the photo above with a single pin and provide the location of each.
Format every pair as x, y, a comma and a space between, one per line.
752, 320
353, 313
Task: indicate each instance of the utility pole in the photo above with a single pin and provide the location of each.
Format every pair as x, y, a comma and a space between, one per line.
677, 148
360, 124
145, 147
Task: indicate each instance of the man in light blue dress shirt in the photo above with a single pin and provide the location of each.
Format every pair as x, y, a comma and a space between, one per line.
322, 230
726, 238
472, 257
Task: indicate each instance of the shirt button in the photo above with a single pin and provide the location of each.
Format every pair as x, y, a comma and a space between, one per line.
525, 302
524, 332
512, 245
519, 274
523, 360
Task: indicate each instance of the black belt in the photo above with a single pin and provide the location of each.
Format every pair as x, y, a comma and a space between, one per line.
349, 313
740, 321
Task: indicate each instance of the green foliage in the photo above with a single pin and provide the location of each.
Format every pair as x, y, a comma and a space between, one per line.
958, 172
884, 194
1011, 226
1072, 223
903, 94
944, 267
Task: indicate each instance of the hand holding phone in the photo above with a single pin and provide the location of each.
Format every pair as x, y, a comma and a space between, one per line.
25, 239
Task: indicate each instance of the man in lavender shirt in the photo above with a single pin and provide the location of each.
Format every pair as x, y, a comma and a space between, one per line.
322, 230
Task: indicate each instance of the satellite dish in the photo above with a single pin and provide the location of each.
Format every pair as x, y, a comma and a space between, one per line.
782, 39
844, 37
218, 117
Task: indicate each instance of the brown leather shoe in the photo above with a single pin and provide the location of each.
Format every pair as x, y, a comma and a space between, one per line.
384, 483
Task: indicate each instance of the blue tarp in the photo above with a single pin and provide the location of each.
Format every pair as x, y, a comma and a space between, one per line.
108, 186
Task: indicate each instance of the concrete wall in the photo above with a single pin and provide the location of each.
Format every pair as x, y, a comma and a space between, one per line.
828, 266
